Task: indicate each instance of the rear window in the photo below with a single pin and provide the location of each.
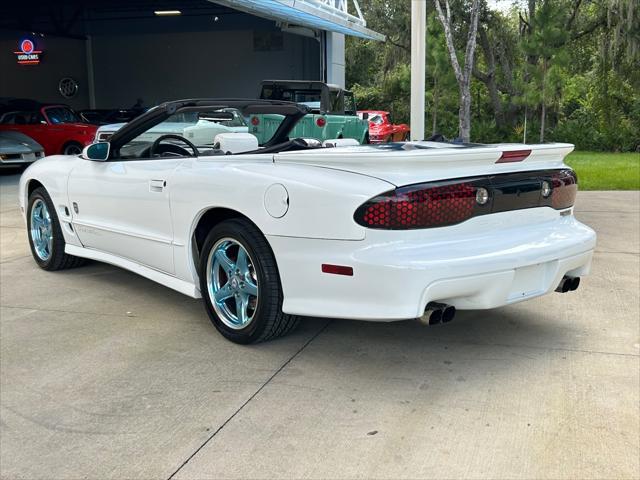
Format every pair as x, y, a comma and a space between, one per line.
22, 118
336, 99
350, 104
309, 97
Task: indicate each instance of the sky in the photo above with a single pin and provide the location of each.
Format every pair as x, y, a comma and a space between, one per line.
503, 5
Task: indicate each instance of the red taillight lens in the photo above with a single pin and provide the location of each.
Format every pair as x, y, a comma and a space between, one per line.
564, 184
255, 121
321, 122
419, 206
447, 202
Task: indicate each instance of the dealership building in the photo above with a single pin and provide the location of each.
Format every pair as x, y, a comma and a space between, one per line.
110, 53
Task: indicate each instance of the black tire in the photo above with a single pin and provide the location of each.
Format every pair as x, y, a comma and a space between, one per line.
72, 148
268, 321
58, 260
367, 140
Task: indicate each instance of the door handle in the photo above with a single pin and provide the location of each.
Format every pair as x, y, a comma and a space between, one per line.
157, 185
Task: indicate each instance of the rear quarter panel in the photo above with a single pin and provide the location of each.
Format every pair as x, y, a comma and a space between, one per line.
321, 201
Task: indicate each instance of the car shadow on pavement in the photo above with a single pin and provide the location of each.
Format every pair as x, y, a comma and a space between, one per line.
525, 325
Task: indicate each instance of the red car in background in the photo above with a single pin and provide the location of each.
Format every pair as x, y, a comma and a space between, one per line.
56, 127
382, 129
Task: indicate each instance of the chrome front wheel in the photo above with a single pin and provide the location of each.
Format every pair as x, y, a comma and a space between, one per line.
232, 283
45, 234
41, 229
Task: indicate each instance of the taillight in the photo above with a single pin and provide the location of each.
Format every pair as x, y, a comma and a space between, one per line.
448, 202
564, 187
419, 206
321, 122
255, 121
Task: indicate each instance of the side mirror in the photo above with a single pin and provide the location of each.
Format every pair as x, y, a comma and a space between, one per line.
97, 151
365, 115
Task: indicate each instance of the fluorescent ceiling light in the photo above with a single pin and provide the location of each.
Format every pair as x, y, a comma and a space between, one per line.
166, 13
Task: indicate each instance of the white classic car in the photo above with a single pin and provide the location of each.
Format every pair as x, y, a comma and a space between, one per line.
199, 127
268, 233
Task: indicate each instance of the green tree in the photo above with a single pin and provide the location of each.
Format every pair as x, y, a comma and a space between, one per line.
571, 65
463, 74
440, 79
545, 45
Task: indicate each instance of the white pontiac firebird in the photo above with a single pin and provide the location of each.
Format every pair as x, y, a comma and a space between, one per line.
268, 233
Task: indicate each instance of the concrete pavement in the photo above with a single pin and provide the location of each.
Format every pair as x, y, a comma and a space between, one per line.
104, 374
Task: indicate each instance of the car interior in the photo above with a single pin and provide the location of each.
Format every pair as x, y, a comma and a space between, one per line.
153, 142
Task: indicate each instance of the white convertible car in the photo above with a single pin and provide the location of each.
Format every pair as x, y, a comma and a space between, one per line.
268, 233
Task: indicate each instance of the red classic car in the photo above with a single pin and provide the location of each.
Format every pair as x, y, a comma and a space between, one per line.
382, 129
56, 127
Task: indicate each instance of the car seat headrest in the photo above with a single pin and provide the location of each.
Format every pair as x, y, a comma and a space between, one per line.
238, 142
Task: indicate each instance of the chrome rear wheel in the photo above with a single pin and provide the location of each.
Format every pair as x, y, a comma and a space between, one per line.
232, 283
240, 283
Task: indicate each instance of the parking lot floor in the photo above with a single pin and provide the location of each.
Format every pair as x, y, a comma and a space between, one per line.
104, 374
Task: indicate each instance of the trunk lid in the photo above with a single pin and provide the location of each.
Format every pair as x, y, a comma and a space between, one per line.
416, 162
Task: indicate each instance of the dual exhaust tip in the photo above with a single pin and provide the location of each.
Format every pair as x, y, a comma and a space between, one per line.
437, 313
568, 284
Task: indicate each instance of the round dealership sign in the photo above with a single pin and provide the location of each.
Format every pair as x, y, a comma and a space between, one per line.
68, 87
27, 46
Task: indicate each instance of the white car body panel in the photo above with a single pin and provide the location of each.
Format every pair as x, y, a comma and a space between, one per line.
127, 216
105, 193
411, 165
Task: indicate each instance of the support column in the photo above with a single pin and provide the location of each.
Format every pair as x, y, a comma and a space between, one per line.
418, 60
335, 58
91, 89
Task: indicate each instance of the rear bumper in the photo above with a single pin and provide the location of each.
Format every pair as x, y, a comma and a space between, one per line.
484, 263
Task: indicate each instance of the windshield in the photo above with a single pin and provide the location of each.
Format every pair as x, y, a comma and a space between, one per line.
62, 115
200, 128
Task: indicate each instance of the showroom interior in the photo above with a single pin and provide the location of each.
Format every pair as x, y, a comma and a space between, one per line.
110, 54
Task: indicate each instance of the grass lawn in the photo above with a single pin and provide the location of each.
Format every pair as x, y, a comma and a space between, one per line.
606, 171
